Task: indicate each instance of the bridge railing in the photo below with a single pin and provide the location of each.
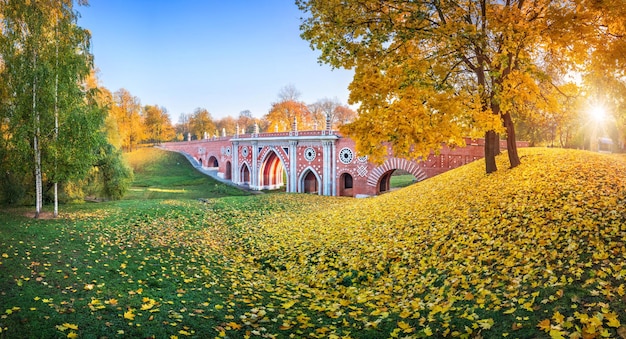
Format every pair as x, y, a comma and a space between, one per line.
287, 134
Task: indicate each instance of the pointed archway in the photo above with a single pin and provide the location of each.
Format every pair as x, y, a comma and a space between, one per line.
310, 182
245, 174
272, 172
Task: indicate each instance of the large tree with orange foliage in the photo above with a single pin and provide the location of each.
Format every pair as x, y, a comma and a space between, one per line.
129, 118
158, 124
434, 71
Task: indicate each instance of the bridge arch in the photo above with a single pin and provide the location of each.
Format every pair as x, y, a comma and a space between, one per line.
228, 171
272, 172
212, 162
310, 182
381, 175
346, 185
244, 174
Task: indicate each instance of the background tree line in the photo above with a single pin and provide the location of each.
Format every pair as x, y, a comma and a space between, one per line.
130, 124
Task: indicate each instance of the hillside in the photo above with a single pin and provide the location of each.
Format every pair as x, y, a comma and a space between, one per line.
536, 251
167, 175
539, 248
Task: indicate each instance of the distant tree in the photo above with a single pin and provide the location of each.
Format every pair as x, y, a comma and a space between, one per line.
201, 122
551, 121
318, 112
281, 116
282, 113
246, 121
339, 114
127, 112
182, 126
343, 115
227, 124
605, 86
114, 176
103, 98
110, 177
158, 124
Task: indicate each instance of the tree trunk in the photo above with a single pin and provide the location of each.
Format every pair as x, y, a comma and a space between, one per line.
497, 144
491, 146
56, 124
36, 149
511, 143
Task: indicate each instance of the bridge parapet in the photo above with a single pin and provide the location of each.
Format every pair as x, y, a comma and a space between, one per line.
285, 134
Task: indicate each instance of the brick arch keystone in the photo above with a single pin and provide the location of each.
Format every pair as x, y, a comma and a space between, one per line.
394, 164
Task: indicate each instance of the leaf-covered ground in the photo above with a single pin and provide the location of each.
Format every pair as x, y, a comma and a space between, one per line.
537, 251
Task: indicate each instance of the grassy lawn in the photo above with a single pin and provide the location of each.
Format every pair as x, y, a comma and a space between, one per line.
531, 252
398, 181
168, 175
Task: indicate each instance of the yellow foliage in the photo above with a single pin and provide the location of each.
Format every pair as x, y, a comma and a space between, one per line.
451, 256
436, 227
129, 315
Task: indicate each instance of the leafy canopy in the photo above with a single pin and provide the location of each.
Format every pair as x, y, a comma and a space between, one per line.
432, 72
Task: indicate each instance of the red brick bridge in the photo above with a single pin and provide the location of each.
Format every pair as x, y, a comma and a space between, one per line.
319, 162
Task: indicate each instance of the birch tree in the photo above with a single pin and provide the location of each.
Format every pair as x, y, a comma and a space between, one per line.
51, 132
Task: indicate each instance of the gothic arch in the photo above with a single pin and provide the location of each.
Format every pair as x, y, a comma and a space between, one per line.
379, 176
244, 173
310, 182
271, 170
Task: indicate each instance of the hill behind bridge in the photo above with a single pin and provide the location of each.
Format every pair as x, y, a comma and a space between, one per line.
168, 175
535, 251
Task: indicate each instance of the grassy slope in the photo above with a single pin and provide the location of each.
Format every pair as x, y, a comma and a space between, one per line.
398, 181
168, 175
536, 251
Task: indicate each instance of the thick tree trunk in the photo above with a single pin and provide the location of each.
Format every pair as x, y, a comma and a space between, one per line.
511, 143
491, 146
497, 144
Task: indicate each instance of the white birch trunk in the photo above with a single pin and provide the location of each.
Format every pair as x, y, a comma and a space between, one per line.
56, 124
37, 151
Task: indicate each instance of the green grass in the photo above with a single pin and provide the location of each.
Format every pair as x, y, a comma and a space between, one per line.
463, 254
168, 175
399, 181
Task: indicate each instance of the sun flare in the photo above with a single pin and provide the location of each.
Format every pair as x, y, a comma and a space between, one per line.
598, 113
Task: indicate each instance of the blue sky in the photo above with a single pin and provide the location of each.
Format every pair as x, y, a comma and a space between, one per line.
225, 56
